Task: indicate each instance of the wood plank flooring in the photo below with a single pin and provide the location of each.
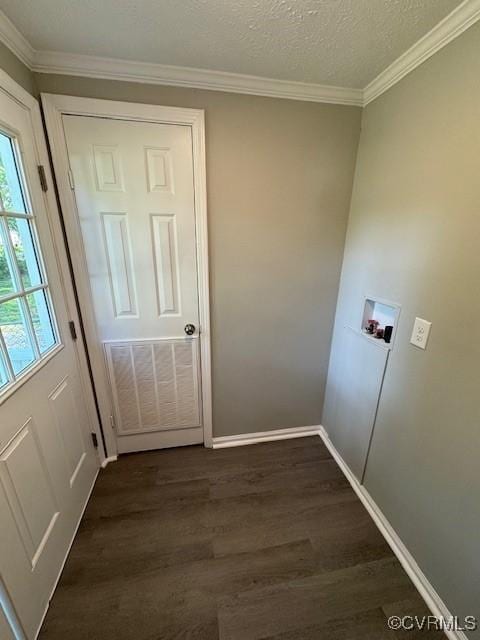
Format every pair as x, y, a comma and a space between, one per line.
265, 542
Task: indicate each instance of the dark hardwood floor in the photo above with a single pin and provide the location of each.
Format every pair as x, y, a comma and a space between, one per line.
260, 542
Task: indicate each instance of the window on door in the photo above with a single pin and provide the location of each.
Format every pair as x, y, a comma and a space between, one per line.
27, 325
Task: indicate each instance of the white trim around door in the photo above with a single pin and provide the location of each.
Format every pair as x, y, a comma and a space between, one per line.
30, 104
224, 442
55, 107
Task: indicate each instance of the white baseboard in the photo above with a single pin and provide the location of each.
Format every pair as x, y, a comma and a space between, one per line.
108, 460
408, 562
264, 436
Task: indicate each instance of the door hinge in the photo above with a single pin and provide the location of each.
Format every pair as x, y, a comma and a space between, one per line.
73, 330
43, 177
94, 440
71, 180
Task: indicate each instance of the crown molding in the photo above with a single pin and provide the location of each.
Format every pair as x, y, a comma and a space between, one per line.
151, 73
15, 41
453, 25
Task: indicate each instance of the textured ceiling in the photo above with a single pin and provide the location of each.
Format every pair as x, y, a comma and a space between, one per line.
337, 42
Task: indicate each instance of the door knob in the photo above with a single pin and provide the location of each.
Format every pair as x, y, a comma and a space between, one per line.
189, 329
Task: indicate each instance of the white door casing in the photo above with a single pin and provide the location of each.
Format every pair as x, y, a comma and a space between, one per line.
136, 223
48, 464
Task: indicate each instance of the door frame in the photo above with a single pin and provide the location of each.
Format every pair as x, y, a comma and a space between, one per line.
54, 108
28, 102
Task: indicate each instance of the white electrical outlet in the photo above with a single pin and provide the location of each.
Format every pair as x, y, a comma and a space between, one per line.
421, 330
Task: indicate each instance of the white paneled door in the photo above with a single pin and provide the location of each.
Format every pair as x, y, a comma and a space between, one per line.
47, 459
134, 189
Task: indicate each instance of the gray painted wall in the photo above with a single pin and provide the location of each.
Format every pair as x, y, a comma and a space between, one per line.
279, 184
279, 174
16, 69
414, 238
279, 181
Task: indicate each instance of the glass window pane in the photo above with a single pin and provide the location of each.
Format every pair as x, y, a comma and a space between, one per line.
3, 372
15, 335
7, 285
42, 322
21, 235
10, 185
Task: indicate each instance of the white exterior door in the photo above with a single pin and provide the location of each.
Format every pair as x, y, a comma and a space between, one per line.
134, 190
47, 460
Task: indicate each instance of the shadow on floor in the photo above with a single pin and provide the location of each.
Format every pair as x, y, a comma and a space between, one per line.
259, 542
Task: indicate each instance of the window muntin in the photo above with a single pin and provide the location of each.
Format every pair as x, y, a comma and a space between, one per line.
14, 328
39, 308
27, 324
23, 244
7, 285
